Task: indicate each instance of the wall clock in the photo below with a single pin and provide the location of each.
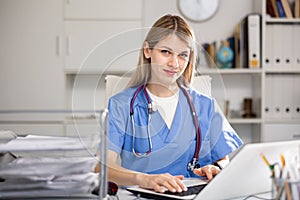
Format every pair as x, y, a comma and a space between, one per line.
198, 10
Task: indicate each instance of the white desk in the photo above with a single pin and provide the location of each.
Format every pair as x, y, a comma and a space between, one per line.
125, 195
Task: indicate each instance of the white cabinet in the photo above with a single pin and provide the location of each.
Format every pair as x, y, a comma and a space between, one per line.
279, 132
102, 36
31, 57
31, 63
102, 46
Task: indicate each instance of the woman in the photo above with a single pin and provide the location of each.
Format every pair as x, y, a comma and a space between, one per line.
155, 148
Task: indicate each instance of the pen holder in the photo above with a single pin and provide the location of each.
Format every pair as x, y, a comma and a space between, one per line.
285, 189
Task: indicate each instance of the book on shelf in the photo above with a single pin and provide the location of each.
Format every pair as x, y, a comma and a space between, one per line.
297, 8
287, 8
283, 8
272, 9
231, 42
280, 9
237, 47
210, 49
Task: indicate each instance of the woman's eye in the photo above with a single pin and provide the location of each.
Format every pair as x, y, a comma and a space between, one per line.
184, 55
164, 51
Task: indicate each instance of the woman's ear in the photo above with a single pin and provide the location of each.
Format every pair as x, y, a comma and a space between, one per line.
147, 50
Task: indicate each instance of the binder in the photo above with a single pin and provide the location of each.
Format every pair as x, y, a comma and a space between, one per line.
296, 45
268, 57
286, 90
276, 97
277, 45
268, 97
287, 46
297, 92
296, 97
251, 57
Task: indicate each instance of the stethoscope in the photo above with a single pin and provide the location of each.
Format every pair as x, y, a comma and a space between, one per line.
192, 164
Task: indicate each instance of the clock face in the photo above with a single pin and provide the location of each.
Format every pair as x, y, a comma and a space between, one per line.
198, 10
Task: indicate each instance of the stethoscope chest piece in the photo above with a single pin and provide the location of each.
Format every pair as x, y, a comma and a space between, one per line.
193, 165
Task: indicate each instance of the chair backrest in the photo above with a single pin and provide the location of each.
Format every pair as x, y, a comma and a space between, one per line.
115, 84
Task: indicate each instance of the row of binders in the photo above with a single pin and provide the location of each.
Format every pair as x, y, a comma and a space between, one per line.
282, 46
247, 41
282, 96
283, 8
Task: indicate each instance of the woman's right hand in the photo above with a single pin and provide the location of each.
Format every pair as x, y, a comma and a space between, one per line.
161, 182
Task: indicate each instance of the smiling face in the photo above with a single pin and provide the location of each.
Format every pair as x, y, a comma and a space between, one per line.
169, 58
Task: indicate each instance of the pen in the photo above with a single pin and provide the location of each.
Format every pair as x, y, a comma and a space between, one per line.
282, 160
265, 159
282, 164
288, 191
268, 164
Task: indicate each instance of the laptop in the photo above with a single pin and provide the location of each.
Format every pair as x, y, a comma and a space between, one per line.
246, 174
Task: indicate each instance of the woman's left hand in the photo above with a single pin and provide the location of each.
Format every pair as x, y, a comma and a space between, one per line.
209, 171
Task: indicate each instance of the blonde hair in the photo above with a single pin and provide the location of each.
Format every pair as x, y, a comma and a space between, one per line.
163, 27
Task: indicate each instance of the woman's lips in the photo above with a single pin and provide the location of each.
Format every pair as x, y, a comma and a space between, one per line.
170, 72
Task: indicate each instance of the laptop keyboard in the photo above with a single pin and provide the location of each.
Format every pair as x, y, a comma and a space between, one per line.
191, 190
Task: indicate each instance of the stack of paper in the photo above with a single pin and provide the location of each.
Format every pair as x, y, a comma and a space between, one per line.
46, 176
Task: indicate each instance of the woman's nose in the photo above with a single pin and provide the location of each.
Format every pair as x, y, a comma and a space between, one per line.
173, 61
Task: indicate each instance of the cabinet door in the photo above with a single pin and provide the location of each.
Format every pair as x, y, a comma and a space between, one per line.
102, 45
81, 129
30, 56
101, 9
45, 129
89, 133
280, 132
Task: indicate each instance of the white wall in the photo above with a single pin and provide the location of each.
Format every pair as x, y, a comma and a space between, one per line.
219, 27
31, 73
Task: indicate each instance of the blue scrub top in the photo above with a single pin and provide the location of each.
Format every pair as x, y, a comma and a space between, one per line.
172, 148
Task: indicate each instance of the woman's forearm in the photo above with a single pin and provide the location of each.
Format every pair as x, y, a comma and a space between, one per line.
123, 176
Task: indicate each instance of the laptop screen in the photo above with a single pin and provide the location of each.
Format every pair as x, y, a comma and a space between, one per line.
246, 174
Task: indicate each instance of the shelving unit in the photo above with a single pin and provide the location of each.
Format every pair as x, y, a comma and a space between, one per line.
285, 69
234, 85
280, 76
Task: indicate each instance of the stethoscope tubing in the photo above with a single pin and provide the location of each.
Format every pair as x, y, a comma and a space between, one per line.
192, 164
196, 123
150, 110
